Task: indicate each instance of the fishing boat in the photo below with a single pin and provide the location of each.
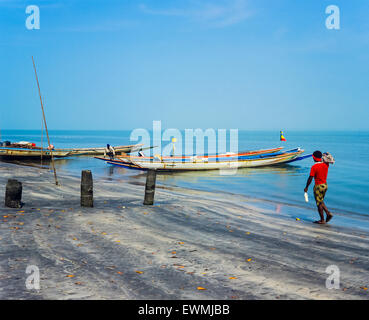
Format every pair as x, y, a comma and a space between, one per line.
211, 156
235, 161
19, 153
30, 150
119, 150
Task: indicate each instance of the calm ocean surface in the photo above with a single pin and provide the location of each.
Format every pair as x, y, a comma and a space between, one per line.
282, 186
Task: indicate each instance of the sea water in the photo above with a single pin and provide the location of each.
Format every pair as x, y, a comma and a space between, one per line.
282, 186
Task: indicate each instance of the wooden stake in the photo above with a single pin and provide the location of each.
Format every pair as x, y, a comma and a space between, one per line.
47, 133
13, 194
150, 187
87, 193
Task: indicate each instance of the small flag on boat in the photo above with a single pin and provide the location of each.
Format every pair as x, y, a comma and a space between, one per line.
282, 136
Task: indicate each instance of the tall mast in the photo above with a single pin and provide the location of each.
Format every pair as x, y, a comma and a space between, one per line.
47, 133
42, 135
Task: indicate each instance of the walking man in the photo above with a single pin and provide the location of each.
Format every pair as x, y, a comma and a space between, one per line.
319, 171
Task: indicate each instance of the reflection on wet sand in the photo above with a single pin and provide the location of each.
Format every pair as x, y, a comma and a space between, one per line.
185, 176
193, 176
45, 164
278, 208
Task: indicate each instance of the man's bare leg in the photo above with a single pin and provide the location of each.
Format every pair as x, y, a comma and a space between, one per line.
328, 213
321, 213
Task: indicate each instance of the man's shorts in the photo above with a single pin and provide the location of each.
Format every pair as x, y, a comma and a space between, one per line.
319, 193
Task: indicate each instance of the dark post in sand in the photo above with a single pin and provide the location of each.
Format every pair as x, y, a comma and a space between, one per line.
150, 187
13, 194
87, 197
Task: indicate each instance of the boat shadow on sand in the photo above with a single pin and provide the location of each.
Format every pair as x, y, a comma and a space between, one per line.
45, 164
191, 176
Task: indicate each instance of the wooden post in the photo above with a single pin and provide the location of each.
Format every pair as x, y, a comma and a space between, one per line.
150, 187
87, 197
13, 194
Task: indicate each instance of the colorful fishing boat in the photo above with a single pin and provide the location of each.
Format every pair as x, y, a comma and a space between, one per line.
227, 155
235, 161
211, 156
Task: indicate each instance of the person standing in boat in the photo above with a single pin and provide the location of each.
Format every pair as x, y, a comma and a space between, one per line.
319, 172
110, 151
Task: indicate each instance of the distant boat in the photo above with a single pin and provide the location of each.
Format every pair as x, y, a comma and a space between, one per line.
30, 151
239, 160
119, 150
15, 153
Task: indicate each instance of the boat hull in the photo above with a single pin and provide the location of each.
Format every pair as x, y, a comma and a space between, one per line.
100, 151
31, 154
212, 156
205, 164
34, 153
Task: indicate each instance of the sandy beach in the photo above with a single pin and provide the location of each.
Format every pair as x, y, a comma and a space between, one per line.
121, 249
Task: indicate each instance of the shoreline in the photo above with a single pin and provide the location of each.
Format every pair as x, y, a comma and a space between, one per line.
342, 218
121, 249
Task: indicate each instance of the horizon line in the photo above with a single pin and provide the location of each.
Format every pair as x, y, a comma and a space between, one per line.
250, 130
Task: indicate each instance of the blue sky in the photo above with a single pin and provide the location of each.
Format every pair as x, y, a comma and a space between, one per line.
243, 64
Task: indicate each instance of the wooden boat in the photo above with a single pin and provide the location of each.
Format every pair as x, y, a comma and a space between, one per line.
13, 153
119, 150
206, 163
228, 155
222, 155
29, 151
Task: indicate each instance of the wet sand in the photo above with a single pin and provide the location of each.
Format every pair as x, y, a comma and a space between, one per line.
121, 249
